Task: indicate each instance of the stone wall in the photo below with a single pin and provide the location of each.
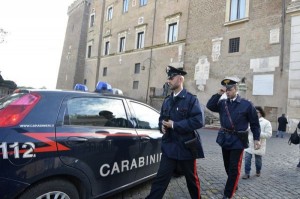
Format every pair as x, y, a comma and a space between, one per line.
259, 61
71, 70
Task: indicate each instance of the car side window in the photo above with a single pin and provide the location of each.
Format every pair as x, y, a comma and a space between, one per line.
146, 118
89, 111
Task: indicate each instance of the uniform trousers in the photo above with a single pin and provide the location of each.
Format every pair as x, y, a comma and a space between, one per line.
165, 172
232, 161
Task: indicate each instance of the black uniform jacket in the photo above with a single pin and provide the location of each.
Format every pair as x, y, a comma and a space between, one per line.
243, 114
186, 113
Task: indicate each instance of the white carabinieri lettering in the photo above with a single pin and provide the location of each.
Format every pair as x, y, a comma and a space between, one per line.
36, 125
127, 165
104, 170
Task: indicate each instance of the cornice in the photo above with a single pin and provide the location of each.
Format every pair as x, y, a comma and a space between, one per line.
293, 7
77, 4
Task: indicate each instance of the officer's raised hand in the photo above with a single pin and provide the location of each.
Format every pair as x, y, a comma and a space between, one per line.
222, 91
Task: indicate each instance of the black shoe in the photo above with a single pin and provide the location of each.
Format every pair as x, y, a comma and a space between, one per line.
298, 165
246, 176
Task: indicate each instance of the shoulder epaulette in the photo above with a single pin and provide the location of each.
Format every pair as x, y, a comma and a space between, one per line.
191, 94
245, 99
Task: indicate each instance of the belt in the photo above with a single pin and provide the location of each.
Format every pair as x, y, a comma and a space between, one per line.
228, 130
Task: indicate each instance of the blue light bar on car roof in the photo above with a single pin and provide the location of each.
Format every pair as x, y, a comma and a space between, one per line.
81, 87
103, 87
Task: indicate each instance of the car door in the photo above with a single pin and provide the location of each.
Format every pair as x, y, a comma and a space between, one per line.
146, 119
105, 151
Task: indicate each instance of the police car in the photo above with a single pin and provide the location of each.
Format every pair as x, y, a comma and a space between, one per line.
75, 144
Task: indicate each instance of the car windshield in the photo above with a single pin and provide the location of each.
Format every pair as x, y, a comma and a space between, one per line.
5, 101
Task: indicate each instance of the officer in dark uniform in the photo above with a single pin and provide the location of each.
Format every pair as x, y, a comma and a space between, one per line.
236, 114
180, 115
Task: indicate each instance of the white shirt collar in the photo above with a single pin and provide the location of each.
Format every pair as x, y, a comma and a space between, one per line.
233, 99
175, 95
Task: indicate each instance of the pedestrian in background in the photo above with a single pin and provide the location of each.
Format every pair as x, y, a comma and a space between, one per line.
235, 114
282, 122
180, 115
165, 89
265, 133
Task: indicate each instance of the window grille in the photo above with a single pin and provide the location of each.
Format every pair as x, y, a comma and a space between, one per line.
234, 45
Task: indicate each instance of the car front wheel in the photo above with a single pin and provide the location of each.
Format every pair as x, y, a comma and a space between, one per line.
54, 189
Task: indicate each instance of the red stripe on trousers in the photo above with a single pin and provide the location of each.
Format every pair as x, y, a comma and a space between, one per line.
197, 179
238, 174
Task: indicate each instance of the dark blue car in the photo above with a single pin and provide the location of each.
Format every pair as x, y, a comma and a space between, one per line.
74, 144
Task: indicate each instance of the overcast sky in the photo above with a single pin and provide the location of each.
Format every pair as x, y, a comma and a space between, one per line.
30, 55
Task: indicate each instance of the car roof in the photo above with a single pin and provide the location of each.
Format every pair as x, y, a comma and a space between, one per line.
75, 92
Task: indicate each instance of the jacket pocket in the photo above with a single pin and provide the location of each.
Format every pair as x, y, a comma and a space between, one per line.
182, 113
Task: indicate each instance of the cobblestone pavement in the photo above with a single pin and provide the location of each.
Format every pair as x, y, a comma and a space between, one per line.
280, 178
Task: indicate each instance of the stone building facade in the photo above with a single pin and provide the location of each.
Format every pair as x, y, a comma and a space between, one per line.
72, 63
129, 43
142, 41
259, 41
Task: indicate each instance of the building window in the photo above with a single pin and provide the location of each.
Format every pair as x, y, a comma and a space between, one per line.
125, 5
172, 27
140, 40
234, 45
104, 71
137, 68
135, 85
92, 20
109, 13
237, 10
143, 2
106, 48
84, 81
89, 52
122, 44
172, 32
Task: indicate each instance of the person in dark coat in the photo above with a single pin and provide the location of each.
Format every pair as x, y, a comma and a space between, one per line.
236, 114
282, 122
180, 115
165, 89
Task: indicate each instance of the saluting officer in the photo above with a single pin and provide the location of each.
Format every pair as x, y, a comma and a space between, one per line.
180, 115
236, 114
